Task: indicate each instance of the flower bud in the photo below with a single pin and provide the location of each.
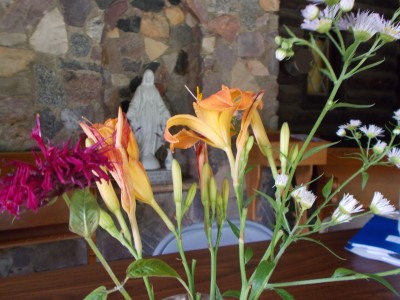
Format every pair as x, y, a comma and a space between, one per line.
213, 191
346, 5
177, 181
105, 221
191, 193
278, 40
284, 146
280, 54
311, 12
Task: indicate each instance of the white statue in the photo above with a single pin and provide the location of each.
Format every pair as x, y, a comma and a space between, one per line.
147, 115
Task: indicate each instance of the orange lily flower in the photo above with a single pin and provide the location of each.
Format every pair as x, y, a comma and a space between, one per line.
212, 123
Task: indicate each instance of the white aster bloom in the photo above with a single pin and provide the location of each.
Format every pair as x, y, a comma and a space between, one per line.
396, 115
372, 131
339, 217
380, 205
280, 54
389, 31
364, 25
341, 132
396, 131
281, 181
348, 205
323, 23
394, 157
379, 147
296, 193
307, 199
346, 5
327, 2
311, 12
353, 124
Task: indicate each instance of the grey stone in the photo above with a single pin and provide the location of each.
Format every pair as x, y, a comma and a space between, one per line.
249, 11
250, 44
225, 56
49, 124
75, 11
130, 65
182, 63
70, 117
48, 87
131, 24
223, 6
59, 254
5, 266
12, 39
161, 176
103, 4
149, 5
181, 36
212, 82
15, 109
154, 65
174, 2
79, 45
70, 64
94, 28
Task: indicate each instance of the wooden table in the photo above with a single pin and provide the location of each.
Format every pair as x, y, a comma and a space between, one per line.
303, 260
303, 173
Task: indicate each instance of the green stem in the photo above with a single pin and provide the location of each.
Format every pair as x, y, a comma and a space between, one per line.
333, 279
242, 264
107, 268
123, 225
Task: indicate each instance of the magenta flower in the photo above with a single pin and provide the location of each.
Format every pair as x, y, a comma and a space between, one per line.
56, 171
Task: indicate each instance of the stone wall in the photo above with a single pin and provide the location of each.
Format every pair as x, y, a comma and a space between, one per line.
65, 59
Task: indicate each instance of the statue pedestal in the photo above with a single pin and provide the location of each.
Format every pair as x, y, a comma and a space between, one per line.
160, 176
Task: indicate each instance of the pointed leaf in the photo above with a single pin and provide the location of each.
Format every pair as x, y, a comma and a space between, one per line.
326, 73
150, 267
231, 294
317, 224
98, 294
314, 150
284, 294
261, 274
271, 200
384, 282
349, 53
218, 295
364, 180
326, 190
351, 105
248, 254
234, 228
84, 213
341, 272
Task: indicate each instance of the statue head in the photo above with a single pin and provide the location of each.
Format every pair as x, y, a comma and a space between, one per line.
148, 78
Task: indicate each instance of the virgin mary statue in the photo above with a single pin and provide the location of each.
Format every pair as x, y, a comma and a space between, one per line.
147, 115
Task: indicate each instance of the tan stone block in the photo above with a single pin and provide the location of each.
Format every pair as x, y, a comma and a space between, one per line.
269, 5
256, 68
154, 26
14, 60
113, 34
175, 15
154, 49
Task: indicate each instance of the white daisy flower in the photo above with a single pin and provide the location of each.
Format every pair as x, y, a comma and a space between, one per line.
307, 199
281, 181
341, 132
296, 194
311, 12
346, 5
280, 54
380, 205
394, 156
339, 217
389, 31
372, 131
348, 205
379, 147
353, 124
327, 2
324, 22
364, 25
396, 115
396, 131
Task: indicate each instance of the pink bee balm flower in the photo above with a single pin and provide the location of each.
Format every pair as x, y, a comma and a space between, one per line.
56, 171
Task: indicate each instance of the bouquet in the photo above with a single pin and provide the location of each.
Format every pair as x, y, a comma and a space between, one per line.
111, 152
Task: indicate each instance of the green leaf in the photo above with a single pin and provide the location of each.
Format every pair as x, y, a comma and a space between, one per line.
384, 282
150, 267
317, 224
218, 295
98, 294
349, 53
351, 105
231, 294
326, 190
341, 272
364, 180
326, 73
248, 254
365, 68
315, 150
271, 200
261, 275
234, 228
284, 294
84, 213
